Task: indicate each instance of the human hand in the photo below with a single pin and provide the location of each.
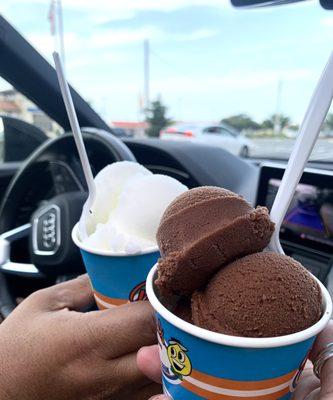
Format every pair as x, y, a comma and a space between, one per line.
310, 387
50, 350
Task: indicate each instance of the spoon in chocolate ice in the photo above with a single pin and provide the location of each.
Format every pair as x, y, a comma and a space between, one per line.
306, 139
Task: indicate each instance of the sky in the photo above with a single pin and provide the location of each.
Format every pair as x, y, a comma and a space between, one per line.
208, 60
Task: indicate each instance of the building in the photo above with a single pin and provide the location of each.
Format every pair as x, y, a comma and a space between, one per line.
14, 104
132, 129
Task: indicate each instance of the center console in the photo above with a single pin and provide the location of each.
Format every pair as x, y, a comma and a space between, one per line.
307, 231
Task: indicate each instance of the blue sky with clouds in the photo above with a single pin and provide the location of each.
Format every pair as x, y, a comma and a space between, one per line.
208, 60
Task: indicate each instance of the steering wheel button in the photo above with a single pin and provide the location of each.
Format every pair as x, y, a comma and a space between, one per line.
46, 231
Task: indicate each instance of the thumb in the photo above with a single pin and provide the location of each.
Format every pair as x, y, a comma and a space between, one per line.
148, 361
160, 397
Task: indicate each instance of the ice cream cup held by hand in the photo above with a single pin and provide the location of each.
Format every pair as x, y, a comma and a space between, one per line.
197, 363
116, 278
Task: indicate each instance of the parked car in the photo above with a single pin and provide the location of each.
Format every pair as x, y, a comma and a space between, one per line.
121, 133
219, 135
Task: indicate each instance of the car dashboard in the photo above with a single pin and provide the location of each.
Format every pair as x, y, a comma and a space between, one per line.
307, 232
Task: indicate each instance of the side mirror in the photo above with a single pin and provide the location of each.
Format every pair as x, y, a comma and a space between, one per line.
18, 139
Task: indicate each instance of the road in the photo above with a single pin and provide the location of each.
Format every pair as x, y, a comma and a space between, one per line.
274, 148
281, 148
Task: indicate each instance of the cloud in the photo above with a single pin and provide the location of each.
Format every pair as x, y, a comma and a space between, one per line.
195, 35
135, 5
327, 21
120, 37
4, 85
88, 63
128, 6
116, 37
45, 43
238, 80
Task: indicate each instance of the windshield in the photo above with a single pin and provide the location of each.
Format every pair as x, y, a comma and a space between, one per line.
196, 61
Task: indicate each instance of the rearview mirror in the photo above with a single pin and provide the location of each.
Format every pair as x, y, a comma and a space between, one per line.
327, 4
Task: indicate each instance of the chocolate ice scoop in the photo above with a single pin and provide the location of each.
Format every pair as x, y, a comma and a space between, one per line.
202, 230
260, 295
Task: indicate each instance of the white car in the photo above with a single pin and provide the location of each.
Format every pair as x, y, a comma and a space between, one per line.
219, 135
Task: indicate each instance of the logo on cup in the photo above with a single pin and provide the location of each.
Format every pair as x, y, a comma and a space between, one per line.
176, 363
138, 292
179, 361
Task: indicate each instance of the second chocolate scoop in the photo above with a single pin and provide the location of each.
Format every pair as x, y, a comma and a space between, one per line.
203, 229
260, 295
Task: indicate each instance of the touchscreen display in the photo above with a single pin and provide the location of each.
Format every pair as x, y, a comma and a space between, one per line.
310, 215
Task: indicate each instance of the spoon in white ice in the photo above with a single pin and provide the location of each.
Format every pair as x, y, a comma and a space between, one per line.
66, 95
306, 139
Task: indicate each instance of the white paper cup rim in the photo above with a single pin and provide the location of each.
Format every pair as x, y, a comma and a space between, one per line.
109, 253
237, 341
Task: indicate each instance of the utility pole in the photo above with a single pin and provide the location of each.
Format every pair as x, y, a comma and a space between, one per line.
146, 76
277, 122
61, 33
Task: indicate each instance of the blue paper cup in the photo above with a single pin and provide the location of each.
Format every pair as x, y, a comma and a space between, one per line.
116, 278
200, 364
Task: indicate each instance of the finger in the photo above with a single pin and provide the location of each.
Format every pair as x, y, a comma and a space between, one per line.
315, 395
123, 329
160, 397
307, 384
147, 392
125, 369
325, 337
75, 294
125, 375
326, 379
326, 376
148, 360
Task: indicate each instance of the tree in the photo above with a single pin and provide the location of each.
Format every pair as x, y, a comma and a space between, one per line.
294, 127
281, 119
156, 118
267, 124
240, 122
328, 125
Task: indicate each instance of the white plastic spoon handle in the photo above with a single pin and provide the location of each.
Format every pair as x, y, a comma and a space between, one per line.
306, 139
74, 123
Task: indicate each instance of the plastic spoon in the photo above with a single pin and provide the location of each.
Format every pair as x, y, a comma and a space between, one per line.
66, 95
306, 139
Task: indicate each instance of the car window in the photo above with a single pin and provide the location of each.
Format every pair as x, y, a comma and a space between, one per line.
23, 126
212, 129
135, 60
225, 132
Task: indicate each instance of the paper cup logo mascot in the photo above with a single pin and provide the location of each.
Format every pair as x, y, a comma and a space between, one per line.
179, 361
175, 362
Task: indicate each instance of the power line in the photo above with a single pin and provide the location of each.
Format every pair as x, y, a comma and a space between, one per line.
162, 59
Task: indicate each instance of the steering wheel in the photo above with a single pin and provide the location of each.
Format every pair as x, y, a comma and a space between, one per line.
42, 204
